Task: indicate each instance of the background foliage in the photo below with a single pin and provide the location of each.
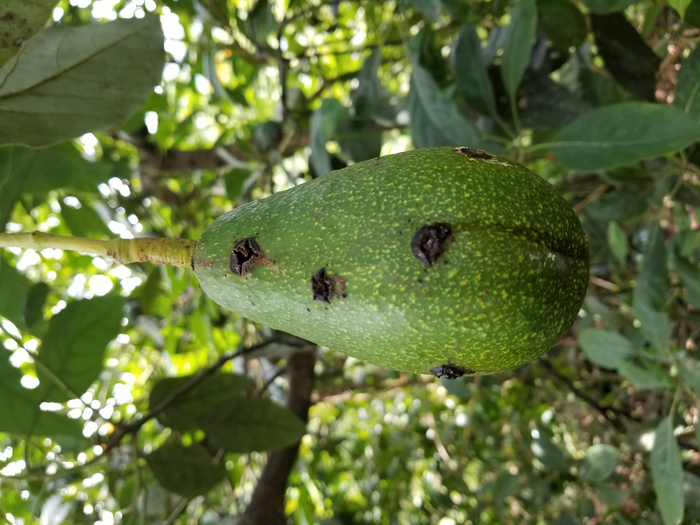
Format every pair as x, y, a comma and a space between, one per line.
599, 97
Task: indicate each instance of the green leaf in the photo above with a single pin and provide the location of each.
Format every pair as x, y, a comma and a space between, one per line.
561, 22
549, 453
599, 463
21, 414
623, 133
70, 80
84, 221
74, 345
184, 413
367, 96
601, 90
680, 6
248, 424
235, 179
435, 118
33, 309
605, 347
689, 274
13, 290
360, 139
617, 240
644, 377
689, 369
151, 290
603, 7
473, 81
687, 93
430, 9
19, 21
518, 43
188, 471
652, 292
667, 473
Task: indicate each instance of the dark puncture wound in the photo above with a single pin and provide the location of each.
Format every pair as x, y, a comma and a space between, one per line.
430, 242
246, 254
473, 153
449, 371
323, 286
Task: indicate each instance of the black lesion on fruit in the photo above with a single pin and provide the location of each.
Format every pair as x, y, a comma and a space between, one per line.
430, 242
473, 153
245, 256
449, 371
325, 286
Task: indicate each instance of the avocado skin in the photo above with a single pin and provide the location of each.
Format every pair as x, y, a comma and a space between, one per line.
509, 284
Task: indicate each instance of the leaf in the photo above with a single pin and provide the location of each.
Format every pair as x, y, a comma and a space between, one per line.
33, 308
70, 80
188, 471
74, 345
151, 290
430, 9
473, 81
21, 414
599, 463
680, 6
602, 7
667, 473
184, 412
19, 21
623, 133
368, 93
435, 119
519, 40
561, 22
14, 287
84, 221
549, 453
601, 90
605, 347
652, 291
689, 369
322, 126
689, 274
617, 240
360, 139
248, 424
687, 93
235, 180
644, 377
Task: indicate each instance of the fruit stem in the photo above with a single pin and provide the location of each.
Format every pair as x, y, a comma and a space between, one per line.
175, 252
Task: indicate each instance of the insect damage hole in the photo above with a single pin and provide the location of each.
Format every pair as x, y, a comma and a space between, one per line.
323, 286
430, 242
245, 256
449, 371
473, 153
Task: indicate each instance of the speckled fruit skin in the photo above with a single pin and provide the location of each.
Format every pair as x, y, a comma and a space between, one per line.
508, 286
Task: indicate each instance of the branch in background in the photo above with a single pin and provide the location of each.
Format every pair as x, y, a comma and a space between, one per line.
267, 504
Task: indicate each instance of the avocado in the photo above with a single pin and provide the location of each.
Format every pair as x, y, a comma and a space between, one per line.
449, 261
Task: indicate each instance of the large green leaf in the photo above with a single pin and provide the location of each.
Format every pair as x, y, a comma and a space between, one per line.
435, 118
188, 471
13, 291
652, 292
472, 78
69, 80
687, 94
21, 414
690, 372
689, 273
623, 133
680, 6
667, 473
74, 345
599, 463
19, 21
602, 7
518, 43
651, 377
561, 22
605, 347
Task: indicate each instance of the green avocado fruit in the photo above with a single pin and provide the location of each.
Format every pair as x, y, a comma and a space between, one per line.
443, 260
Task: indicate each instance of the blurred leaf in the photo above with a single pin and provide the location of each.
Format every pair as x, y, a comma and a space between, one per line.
503, 486
599, 463
548, 453
605, 347
649, 376
471, 74
21, 414
518, 43
19, 21
689, 274
617, 240
33, 309
74, 346
687, 93
235, 179
561, 22
545, 104
267, 135
680, 6
360, 139
151, 290
369, 93
602, 7
689, 369
85, 73
430, 9
14, 288
628, 202
667, 473
184, 412
652, 292
623, 133
628, 58
692, 13
248, 424
601, 90
610, 494
84, 221
188, 471
323, 125
262, 21
435, 119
